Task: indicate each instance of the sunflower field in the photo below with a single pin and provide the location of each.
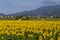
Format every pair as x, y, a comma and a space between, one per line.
29, 30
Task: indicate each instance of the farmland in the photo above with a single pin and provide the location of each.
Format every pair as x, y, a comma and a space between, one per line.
29, 30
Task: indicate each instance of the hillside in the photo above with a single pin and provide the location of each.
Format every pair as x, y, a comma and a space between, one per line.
42, 11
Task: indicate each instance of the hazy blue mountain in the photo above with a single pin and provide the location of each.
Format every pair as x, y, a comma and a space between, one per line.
1, 14
42, 11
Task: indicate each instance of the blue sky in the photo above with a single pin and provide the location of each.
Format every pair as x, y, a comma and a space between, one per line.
12, 6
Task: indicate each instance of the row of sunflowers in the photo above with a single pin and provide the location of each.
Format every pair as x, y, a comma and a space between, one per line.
29, 30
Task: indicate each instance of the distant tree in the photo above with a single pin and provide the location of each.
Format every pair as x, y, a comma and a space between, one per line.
57, 17
27, 17
18, 17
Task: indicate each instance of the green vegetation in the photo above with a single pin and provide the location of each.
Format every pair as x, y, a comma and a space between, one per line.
45, 18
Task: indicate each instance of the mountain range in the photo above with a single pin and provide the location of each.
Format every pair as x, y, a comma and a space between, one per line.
41, 11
